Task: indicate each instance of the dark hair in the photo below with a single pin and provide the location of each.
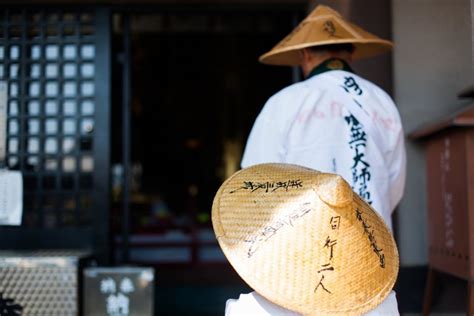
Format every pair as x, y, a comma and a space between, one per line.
333, 48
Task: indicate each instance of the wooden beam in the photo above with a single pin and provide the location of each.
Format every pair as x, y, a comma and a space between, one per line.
154, 2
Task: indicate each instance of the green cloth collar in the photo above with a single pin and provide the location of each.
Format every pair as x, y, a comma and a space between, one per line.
330, 64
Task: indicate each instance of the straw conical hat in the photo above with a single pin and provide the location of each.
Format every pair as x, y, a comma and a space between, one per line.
304, 240
324, 26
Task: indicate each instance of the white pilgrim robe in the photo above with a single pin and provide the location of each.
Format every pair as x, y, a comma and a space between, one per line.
339, 123
253, 304
333, 122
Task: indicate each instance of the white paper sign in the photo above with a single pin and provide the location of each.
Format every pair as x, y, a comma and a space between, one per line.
11, 197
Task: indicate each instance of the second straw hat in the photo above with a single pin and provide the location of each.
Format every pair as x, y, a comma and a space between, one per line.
324, 26
304, 240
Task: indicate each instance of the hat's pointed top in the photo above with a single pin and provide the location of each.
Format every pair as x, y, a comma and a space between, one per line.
333, 190
323, 10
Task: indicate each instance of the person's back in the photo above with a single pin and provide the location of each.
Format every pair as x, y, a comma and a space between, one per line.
340, 123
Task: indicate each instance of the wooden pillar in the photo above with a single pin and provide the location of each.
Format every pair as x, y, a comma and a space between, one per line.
427, 300
470, 298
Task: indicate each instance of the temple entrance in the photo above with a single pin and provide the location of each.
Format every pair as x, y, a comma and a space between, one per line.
195, 88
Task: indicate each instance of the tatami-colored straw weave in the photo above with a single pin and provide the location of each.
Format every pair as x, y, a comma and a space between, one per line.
304, 240
324, 26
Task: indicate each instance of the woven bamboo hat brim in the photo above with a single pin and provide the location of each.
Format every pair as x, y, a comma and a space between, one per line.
304, 240
324, 26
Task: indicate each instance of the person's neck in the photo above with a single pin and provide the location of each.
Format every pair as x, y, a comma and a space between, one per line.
318, 59
330, 65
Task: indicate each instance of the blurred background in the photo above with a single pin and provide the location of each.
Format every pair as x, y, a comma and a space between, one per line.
124, 117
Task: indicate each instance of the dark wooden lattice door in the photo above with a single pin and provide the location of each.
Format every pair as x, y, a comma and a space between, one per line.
57, 66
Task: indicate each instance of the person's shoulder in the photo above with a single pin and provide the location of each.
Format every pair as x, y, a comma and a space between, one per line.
291, 91
367, 85
371, 89
292, 94
372, 93
378, 91
342, 77
381, 99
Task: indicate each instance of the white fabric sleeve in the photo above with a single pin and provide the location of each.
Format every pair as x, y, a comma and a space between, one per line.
256, 305
397, 171
388, 307
396, 157
265, 142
